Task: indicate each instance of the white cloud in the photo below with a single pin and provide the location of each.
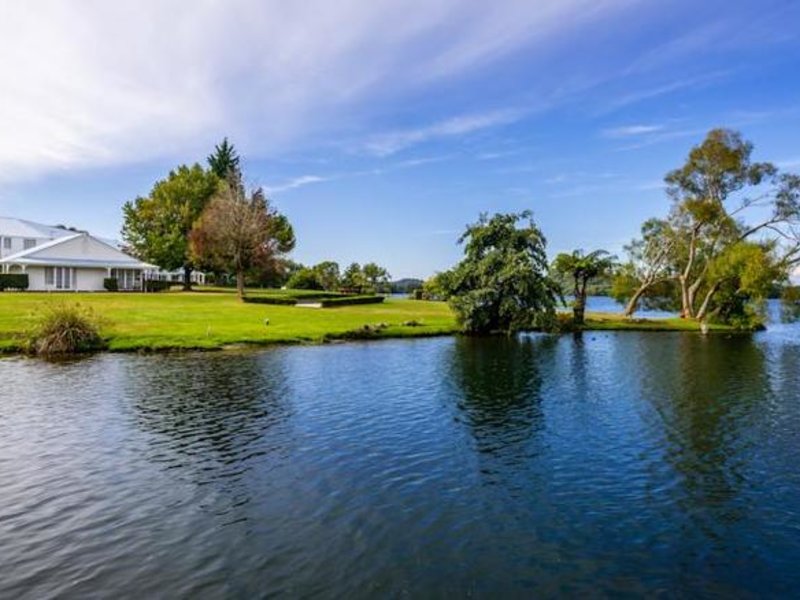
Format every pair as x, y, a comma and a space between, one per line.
295, 183
92, 84
631, 130
634, 97
389, 143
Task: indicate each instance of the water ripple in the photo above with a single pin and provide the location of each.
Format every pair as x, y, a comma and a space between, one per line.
610, 463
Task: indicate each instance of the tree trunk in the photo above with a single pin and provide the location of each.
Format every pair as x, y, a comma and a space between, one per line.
633, 303
240, 284
578, 312
686, 308
187, 278
687, 304
701, 314
579, 306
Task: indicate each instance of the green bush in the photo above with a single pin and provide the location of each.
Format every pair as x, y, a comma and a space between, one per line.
304, 279
350, 300
156, 285
111, 284
14, 281
64, 329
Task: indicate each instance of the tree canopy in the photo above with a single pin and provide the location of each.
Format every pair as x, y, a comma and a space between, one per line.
730, 215
240, 232
157, 227
224, 161
581, 268
502, 283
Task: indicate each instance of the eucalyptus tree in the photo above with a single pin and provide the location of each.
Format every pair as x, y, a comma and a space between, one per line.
730, 216
581, 268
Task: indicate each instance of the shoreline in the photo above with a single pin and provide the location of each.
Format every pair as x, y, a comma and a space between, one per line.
216, 321
360, 336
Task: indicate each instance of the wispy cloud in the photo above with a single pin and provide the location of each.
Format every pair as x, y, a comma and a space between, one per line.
296, 183
394, 141
647, 186
424, 160
663, 136
630, 130
640, 95
117, 82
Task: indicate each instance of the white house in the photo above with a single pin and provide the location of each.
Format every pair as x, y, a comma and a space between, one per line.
77, 261
17, 235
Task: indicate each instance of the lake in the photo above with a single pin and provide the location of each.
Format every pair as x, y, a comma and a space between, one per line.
605, 463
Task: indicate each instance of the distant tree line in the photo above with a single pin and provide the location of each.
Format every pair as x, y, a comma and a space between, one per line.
327, 275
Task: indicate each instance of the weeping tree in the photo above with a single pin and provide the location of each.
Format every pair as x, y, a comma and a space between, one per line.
502, 284
581, 269
240, 232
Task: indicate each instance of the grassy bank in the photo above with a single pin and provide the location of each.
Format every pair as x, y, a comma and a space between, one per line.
216, 319
212, 320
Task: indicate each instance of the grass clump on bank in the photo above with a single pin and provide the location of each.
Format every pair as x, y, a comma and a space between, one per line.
61, 329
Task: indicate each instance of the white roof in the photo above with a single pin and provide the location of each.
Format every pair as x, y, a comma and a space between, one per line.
12, 227
76, 250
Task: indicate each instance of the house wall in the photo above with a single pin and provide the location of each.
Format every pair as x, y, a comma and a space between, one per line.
35, 278
89, 280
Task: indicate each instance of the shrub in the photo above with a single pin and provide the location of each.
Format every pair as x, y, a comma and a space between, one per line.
156, 285
304, 279
14, 281
111, 284
350, 300
64, 329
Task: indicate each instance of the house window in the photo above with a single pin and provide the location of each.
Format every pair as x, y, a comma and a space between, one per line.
62, 278
7, 243
28, 243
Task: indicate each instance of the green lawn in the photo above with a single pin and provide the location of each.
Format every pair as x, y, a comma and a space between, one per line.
215, 319
616, 322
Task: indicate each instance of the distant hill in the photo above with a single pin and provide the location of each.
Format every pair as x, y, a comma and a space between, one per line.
405, 286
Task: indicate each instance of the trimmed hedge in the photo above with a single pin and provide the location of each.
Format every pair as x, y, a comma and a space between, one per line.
350, 301
280, 300
156, 285
14, 281
312, 295
111, 284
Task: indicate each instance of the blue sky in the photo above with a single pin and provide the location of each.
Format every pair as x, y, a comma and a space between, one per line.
382, 128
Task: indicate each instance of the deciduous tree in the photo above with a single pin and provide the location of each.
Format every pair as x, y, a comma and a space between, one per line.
157, 227
239, 232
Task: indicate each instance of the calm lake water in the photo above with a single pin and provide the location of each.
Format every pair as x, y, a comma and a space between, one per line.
609, 463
